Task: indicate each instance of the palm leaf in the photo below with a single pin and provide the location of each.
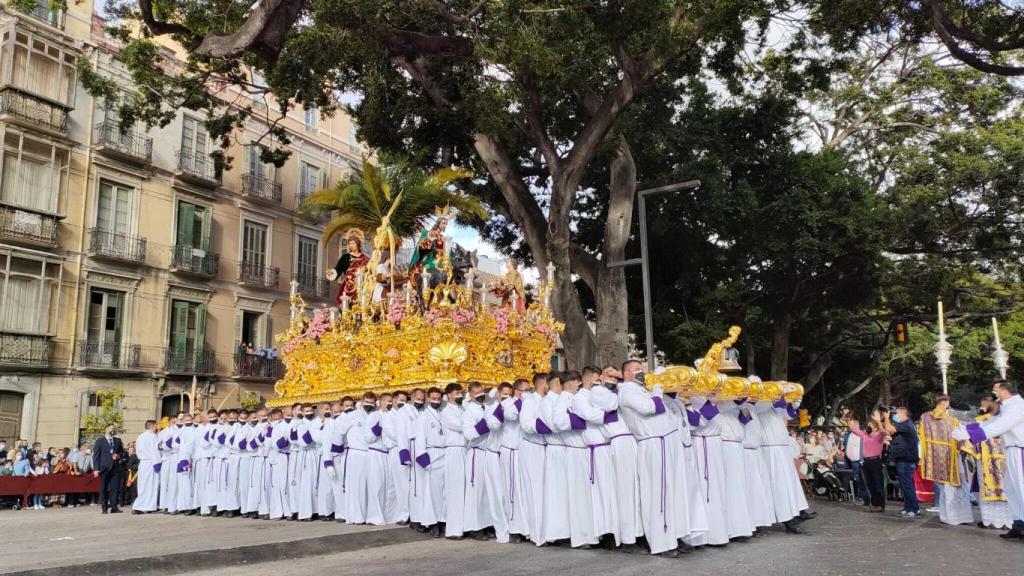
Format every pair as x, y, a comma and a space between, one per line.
344, 222
444, 176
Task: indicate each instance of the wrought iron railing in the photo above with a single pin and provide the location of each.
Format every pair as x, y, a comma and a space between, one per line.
258, 276
260, 188
129, 142
93, 354
192, 261
197, 164
257, 366
41, 112
24, 225
177, 361
116, 245
25, 349
314, 286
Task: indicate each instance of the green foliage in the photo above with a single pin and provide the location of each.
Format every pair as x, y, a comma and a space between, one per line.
251, 401
109, 414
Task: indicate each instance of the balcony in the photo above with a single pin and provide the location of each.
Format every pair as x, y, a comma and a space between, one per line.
314, 287
258, 276
257, 366
261, 189
189, 362
194, 262
25, 350
116, 246
197, 168
93, 355
26, 227
44, 13
129, 145
20, 107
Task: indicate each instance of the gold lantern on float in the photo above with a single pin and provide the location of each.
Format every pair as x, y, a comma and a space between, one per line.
708, 379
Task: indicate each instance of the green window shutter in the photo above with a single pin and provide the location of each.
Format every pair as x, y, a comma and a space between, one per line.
179, 329
238, 330
207, 228
201, 327
186, 221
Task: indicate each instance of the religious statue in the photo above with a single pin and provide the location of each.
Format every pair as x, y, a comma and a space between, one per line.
348, 267
510, 288
431, 253
388, 276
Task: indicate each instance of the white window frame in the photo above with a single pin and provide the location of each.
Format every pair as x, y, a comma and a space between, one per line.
59, 160
319, 253
44, 290
65, 58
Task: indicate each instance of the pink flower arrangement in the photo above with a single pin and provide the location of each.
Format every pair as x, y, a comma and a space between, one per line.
396, 313
463, 316
318, 326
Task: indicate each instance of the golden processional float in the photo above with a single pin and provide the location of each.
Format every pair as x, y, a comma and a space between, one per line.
446, 333
711, 378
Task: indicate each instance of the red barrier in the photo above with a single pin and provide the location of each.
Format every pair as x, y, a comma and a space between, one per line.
925, 488
26, 486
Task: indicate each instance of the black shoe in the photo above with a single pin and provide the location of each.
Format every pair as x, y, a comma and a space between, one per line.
685, 548
740, 539
115, 510
481, 536
264, 517
141, 512
402, 522
632, 549
794, 527
453, 538
104, 511
669, 554
807, 515
435, 531
1013, 534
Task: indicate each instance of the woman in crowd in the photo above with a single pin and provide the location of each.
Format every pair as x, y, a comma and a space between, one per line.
813, 451
63, 465
39, 468
20, 464
132, 489
872, 443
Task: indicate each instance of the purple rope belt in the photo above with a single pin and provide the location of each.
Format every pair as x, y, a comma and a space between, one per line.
511, 480
620, 436
592, 448
664, 475
412, 446
472, 471
344, 471
535, 443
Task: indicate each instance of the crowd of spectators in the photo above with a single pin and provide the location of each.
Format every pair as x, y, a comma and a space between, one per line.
24, 459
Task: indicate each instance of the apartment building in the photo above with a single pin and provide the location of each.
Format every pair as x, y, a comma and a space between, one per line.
126, 262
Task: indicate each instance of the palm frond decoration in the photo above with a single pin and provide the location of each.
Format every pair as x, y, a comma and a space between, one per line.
391, 201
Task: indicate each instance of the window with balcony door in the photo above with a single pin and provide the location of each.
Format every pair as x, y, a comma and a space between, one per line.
27, 288
311, 117
309, 180
187, 338
195, 151
33, 173
307, 264
38, 67
192, 237
104, 327
114, 208
254, 244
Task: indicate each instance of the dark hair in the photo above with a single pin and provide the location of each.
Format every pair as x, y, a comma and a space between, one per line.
347, 399
148, 422
593, 370
453, 387
277, 411
402, 393
503, 386
434, 390
474, 385
519, 382
1006, 385
570, 375
628, 362
369, 395
539, 376
941, 398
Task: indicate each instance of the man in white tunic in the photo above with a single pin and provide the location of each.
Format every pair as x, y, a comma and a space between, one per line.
185, 441
166, 445
323, 498
149, 465
332, 453
737, 513
624, 460
691, 504
398, 422
554, 412
707, 438
257, 464
428, 484
204, 488
454, 462
245, 458
533, 432
576, 480
657, 453
758, 502
171, 445
787, 496
599, 483
227, 469
278, 455
1008, 425
510, 396
378, 477
485, 503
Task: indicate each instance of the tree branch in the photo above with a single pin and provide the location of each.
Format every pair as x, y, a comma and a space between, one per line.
939, 18
444, 12
584, 264
535, 122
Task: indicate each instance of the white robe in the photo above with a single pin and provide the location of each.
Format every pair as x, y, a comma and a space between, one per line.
227, 469
623, 450
555, 519
332, 456
691, 505
399, 431
306, 455
707, 439
1009, 425
378, 475
758, 502
166, 466
598, 483
246, 458
278, 456
955, 502
185, 439
204, 493
454, 470
657, 458
511, 468
485, 503
428, 494
787, 496
256, 481
532, 447
149, 479
577, 478
737, 511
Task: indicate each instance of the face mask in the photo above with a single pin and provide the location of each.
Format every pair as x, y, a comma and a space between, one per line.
639, 376
458, 401
670, 394
288, 419
399, 405
435, 405
347, 410
252, 422
189, 424
368, 408
896, 418
504, 396
418, 405
232, 422
610, 385
263, 420
479, 398
178, 425
310, 416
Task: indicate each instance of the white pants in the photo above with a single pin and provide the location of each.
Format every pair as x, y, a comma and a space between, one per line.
277, 495
531, 473
555, 518
627, 489
378, 483
148, 484
427, 500
454, 490
656, 460
512, 479
582, 530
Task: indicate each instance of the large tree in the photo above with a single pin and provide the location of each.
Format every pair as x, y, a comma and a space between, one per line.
526, 93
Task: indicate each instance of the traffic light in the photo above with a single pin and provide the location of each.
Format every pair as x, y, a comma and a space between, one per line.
805, 418
899, 329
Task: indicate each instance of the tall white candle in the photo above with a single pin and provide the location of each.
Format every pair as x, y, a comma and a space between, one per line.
995, 329
942, 321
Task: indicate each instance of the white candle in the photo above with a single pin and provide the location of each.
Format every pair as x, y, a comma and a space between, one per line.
426, 279
469, 280
942, 321
344, 302
995, 329
408, 294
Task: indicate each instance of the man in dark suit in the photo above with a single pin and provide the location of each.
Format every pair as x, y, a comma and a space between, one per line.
106, 460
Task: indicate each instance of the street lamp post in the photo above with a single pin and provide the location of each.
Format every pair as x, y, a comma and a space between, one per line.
644, 262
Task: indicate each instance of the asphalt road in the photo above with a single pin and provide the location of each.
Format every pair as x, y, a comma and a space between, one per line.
842, 541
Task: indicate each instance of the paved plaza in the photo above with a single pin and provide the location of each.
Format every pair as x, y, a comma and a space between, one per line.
842, 541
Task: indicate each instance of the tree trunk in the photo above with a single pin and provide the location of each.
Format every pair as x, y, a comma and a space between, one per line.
578, 338
780, 346
610, 292
817, 370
